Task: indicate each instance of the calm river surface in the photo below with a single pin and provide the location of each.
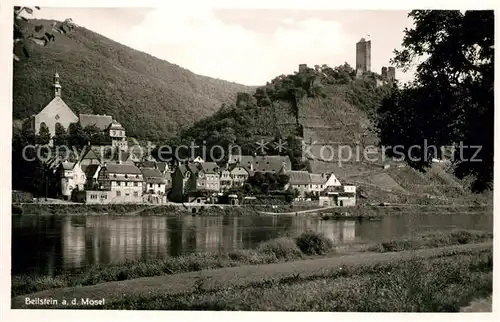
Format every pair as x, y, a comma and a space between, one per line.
47, 245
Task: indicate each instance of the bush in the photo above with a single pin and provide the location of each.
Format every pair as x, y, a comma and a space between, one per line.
282, 248
312, 243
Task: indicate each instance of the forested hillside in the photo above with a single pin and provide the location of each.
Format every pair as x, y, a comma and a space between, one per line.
151, 97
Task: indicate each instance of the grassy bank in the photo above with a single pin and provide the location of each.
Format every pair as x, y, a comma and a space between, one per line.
443, 284
282, 249
431, 240
225, 210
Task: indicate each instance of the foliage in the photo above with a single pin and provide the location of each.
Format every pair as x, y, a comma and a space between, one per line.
281, 248
38, 35
43, 136
451, 100
276, 110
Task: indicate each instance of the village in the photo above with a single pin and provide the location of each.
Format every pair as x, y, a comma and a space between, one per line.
130, 175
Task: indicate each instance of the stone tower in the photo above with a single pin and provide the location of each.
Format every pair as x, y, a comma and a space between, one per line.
57, 86
391, 73
363, 56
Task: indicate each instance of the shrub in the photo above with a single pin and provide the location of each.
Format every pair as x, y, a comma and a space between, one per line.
282, 248
312, 243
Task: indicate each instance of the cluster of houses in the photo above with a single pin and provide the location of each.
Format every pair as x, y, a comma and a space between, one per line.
122, 180
130, 176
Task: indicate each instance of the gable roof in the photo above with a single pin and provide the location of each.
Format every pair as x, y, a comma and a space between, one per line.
116, 126
147, 164
57, 104
89, 154
100, 121
298, 177
122, 169
209, 167
317, 178
193, 168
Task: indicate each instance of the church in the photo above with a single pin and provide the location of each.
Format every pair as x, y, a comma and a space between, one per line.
57, 111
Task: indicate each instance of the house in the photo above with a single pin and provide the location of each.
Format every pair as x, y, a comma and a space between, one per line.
340, 196
239, 175
118, 183
154, 182
117, 135
71, 177
299, 180
56, 112
208, 177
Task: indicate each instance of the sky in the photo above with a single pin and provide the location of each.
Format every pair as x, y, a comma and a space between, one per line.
247, 46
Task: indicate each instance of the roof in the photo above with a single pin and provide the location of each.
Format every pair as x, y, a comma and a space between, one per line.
89, 154
298, 177
263, 163
193, 168
147, 164
100, 121
90, 170
122, 169
162, 166
209, 167
317, 178
151, 173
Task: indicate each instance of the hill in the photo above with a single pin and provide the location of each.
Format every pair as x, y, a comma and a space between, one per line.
323, 106
151, 97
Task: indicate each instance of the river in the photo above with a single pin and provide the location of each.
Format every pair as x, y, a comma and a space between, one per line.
48, 245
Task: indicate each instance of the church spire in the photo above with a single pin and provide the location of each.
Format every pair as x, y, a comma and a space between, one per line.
57, 85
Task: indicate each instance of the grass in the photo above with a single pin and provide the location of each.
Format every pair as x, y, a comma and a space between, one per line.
283, 249
444, 284
432, 239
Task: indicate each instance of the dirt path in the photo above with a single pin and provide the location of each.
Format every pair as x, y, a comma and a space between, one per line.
231, 276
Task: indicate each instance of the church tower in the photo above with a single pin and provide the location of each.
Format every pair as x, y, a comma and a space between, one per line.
57, 85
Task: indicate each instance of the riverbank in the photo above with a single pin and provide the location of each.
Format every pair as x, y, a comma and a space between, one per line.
366, 211
433, 279
285, 249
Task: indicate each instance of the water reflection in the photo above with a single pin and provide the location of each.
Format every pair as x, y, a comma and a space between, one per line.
46, 245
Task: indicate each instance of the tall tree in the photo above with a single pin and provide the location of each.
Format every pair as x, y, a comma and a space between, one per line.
60, 135
43, 136
450, 102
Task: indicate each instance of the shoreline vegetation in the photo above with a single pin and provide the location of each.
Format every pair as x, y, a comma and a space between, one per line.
361, 211
280, 250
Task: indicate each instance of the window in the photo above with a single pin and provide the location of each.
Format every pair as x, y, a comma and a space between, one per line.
135, 184
114, 176
118, 193
136, 194
151, 185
